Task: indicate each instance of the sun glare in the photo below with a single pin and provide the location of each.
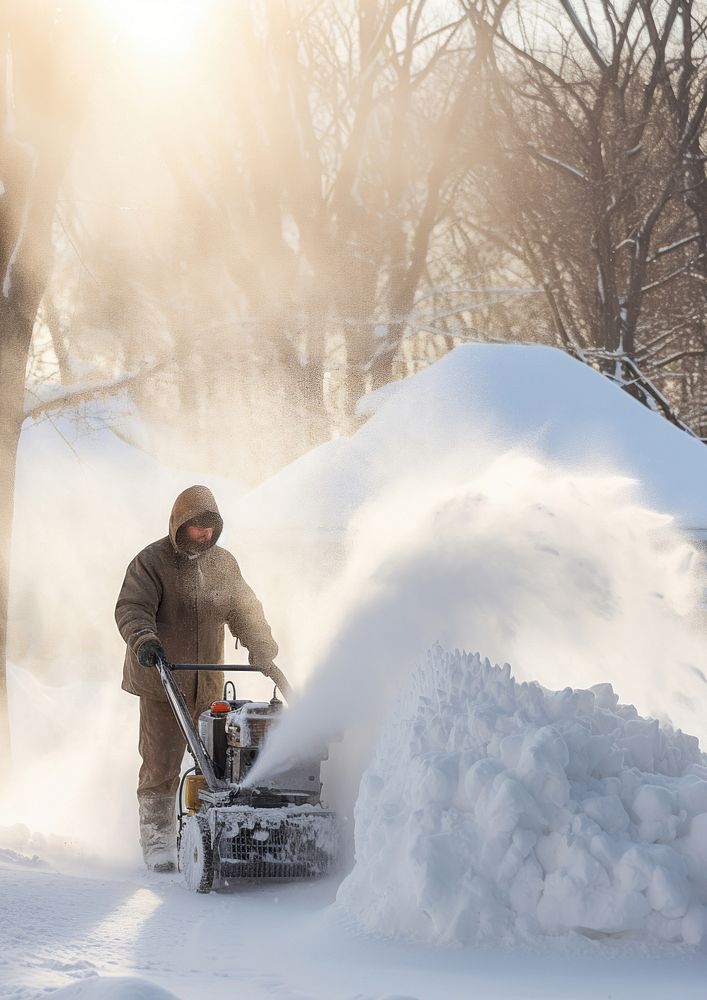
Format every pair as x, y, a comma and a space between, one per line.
158, 28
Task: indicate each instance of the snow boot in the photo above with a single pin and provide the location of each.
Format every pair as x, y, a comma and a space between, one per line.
158, 833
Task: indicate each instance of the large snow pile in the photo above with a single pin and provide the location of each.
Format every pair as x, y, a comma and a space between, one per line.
495, 810
479, 401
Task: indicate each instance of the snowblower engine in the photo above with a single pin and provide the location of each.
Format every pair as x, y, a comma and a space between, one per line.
234, 732
230, 829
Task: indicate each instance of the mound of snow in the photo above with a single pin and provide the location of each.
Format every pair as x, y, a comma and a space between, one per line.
495, 810
490, 397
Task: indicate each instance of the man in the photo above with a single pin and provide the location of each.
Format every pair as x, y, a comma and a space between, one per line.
176, 597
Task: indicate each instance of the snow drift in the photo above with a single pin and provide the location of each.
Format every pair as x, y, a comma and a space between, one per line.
495, 810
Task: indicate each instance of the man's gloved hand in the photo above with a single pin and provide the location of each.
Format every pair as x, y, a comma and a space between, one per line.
148, 653
264, 665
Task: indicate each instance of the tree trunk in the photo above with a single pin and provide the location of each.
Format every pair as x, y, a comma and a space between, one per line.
15, 336
39, 113
25, 268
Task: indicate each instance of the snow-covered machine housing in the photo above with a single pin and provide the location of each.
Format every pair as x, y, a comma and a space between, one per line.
230, 830
234, 736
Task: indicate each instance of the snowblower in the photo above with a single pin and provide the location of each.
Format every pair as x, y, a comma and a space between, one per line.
229, 830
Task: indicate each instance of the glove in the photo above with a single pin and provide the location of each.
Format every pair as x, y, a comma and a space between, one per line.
264, 666
148, 653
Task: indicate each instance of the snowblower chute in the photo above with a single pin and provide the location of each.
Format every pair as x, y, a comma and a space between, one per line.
229, 831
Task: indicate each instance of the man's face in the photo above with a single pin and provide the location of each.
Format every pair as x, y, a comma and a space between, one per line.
198, 536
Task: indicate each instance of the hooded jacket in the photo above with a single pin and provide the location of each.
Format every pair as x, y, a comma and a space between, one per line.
184, 600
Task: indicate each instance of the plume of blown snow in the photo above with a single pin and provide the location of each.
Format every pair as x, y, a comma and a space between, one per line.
563, 573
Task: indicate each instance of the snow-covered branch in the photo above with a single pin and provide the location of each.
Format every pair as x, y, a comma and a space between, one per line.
674, 246
668, 278
553, 161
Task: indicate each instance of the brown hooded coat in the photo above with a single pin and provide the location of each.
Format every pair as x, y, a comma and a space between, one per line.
184, 601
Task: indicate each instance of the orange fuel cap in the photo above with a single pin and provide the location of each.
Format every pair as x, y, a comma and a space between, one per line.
220, 707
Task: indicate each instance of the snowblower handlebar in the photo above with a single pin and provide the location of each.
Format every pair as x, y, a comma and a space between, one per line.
186, 724
215, 666
272, 672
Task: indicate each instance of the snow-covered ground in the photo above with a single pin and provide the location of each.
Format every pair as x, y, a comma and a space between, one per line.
507, 500
278, 942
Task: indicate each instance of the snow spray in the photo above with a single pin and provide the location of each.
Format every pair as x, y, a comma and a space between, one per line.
561, 573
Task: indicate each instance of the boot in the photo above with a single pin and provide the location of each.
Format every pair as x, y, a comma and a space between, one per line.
158, 832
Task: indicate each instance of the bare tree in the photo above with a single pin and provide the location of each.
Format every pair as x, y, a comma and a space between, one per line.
39, 109
595, 178
322, 188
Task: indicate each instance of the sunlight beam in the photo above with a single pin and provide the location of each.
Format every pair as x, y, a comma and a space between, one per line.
161, 29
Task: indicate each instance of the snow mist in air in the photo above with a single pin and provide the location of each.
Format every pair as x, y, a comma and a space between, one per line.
564, 575
81, 515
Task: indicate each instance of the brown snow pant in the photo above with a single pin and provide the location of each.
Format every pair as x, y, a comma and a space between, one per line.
161, 747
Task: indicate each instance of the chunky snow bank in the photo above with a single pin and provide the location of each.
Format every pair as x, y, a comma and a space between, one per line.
494, 810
